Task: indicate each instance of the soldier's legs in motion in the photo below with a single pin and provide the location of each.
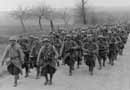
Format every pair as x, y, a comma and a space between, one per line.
15, 71
38, 72
91, 70
46, 78
16, 77
58, 63
112, 58
73, 63
51, 72
104, 60
26, 71
26, 65
78, 61
112, 61
100, 63
109, 60
116, 55
63, 61
70, 70
91, 65
121, 52
50, 81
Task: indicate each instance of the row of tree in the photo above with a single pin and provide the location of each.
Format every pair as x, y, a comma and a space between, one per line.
81, 14
40, 13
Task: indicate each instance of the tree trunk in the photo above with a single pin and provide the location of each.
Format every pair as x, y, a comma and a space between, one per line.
52, 25
84, 12
23, 26
40, 24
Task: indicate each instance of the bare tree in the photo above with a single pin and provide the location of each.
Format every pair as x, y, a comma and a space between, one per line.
81, 11
43, 12
20, 14
39, 12
65, 17
84, 11
50, 16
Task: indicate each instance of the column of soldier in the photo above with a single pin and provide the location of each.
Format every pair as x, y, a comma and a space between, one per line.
46, 52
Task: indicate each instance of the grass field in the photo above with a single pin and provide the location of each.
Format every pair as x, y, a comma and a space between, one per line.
13, 30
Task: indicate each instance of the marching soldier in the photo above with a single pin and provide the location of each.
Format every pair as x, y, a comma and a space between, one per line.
33, 57
68, 49
16, 59
25, 48
113, 47
103, 50
90, 51
47, 60
57, 43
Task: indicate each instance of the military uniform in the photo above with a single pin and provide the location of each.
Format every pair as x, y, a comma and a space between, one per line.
47, 60
79, 51
90, 51
16, 59
34, 54
113, 50
68, 51
47, 56
24, 43
103, 50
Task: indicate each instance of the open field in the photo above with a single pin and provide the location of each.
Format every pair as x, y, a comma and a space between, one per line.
13, 30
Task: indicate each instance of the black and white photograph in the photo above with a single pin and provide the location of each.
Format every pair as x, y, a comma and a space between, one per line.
64, 45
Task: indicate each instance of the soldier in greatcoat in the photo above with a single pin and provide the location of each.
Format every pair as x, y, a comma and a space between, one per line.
47, 60
15, 59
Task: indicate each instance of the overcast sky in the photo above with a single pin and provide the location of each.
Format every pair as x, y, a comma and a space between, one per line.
12, 4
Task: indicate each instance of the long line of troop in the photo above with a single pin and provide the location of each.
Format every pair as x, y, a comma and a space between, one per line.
81, 45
